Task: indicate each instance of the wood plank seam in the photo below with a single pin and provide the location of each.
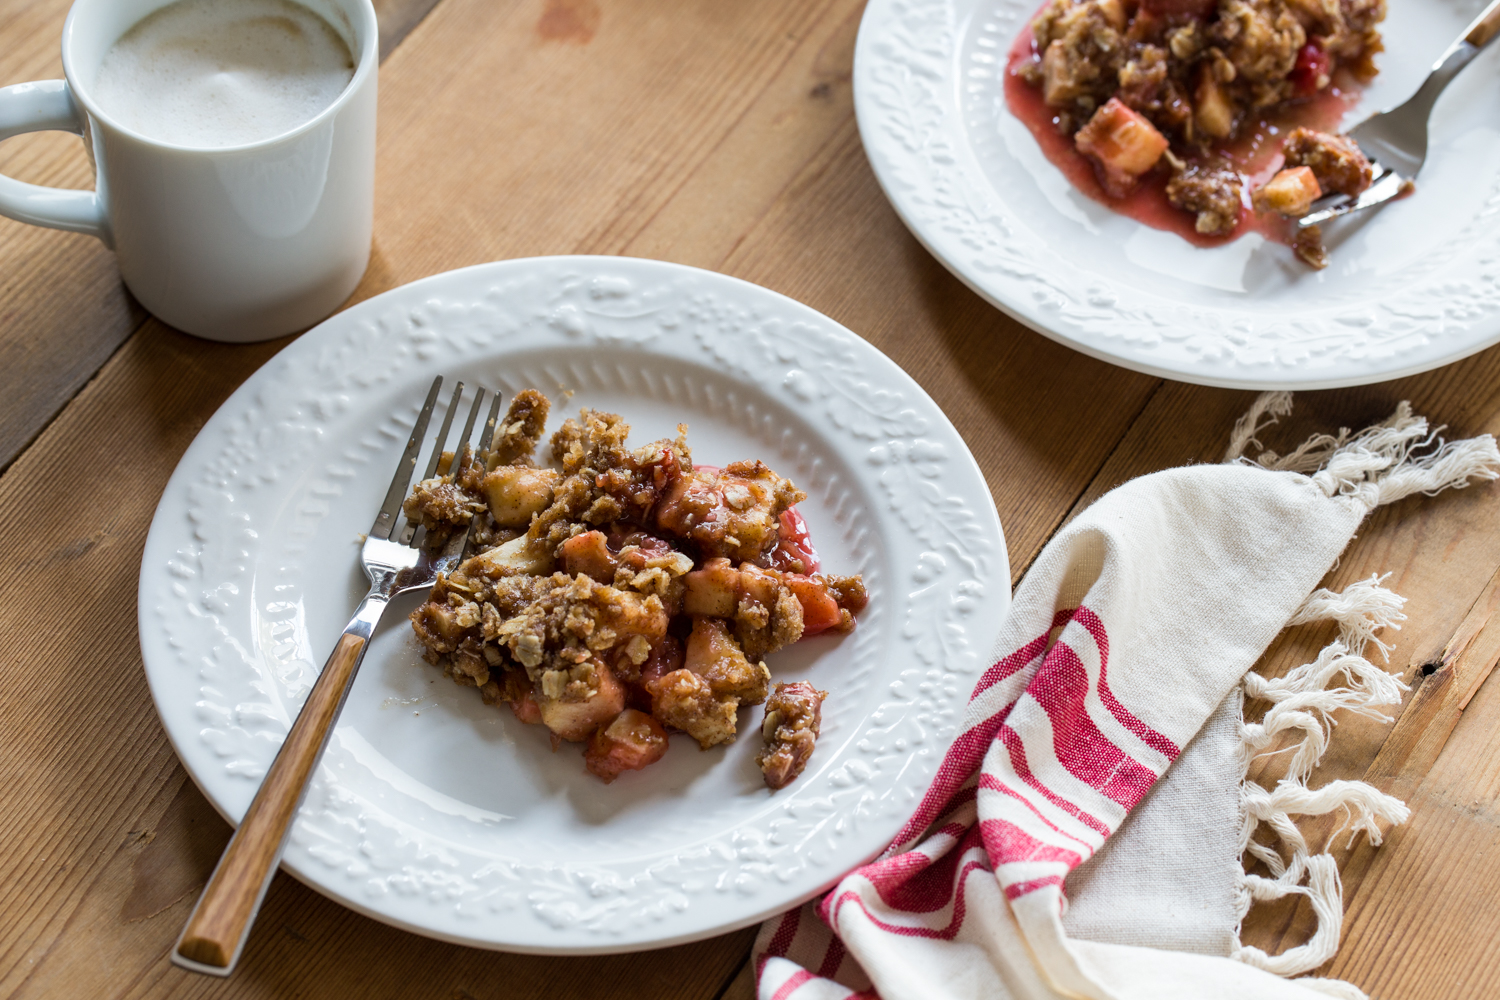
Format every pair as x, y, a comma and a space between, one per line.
75, 911
808, 173
403, 17
724, 136
1078, 506
65, 403
602, 236
391, 9
739, 970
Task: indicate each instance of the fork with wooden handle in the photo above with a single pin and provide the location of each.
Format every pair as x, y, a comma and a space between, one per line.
215, 934
1395, 141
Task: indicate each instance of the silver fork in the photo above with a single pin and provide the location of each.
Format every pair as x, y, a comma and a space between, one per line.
214, 936
1395, 141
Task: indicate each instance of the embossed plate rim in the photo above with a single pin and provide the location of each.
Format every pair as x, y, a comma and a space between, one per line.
941, 193
551, 298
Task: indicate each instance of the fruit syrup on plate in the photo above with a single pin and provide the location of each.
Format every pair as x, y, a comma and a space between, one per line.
1255, 151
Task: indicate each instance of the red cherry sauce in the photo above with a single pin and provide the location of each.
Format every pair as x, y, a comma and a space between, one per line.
794, 545
1255, 152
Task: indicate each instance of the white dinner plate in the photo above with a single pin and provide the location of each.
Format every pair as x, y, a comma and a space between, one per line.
1412, 286
436, 813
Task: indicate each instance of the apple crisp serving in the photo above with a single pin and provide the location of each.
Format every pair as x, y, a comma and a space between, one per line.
1183, 88
628, 592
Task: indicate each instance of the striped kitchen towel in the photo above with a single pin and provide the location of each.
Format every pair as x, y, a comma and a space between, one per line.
1135, 630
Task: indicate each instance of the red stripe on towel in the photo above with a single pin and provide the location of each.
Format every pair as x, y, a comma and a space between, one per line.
1017, 751
967, 752
994, 784
1061, 687
1148, 736
786, 931
946, 933
832, 959
1007, 843
793, 983
1022, 888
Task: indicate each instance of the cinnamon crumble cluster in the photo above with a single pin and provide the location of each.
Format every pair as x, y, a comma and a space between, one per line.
1140, 83
627, 592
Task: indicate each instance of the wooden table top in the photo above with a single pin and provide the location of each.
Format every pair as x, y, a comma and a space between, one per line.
713, 133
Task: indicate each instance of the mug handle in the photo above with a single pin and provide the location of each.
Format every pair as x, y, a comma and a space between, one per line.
46, 106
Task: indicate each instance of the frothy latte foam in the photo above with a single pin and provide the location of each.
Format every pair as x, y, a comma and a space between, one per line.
213, 73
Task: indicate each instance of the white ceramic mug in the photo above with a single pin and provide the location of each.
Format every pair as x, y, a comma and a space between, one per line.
236, 243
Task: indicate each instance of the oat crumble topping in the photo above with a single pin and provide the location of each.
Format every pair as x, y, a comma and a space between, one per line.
1146, 85
627, 593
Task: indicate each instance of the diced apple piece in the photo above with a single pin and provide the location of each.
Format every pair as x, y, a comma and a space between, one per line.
632, 741
1124, 144
713, 654
1291, 192
1214, 113
758, 585
684, 700
691, 499
709, 642
820, 612
1113, 11
576, 719
515, 494
1059, 80
514, 556
712, 590
794, 552
525, 709
588, 554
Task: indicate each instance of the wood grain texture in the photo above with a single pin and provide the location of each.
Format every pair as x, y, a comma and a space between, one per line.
1485, 27
221, 919
715, 134
63, 308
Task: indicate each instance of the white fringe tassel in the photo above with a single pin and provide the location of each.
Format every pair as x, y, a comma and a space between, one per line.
1379, 465
1304, 701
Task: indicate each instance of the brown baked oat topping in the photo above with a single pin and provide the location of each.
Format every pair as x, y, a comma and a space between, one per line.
1167, 87
794, 713
1334, 160
1214, 194
627, 593
1309, 246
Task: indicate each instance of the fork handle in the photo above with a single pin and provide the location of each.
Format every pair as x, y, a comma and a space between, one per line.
1480, 32
215, 934
1485, 27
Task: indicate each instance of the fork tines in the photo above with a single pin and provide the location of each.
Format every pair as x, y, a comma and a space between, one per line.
385, 521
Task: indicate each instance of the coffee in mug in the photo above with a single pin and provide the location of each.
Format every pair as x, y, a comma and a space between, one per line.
234, 147
212, 73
